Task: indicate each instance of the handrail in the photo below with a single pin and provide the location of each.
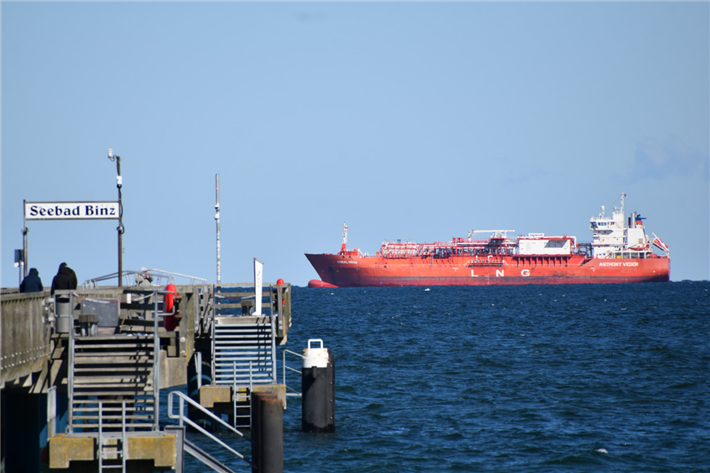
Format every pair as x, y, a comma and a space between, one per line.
131, 277
184, 418
295, 393
156, 364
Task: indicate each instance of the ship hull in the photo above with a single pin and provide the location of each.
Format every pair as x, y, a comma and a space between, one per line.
359, 271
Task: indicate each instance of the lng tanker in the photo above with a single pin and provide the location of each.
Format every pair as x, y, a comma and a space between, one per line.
620, 252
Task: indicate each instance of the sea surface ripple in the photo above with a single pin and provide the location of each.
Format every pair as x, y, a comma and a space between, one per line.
515, 379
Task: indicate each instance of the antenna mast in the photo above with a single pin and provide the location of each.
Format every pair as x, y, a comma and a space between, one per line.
216, 217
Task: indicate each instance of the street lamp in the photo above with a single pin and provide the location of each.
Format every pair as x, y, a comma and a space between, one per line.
120, 229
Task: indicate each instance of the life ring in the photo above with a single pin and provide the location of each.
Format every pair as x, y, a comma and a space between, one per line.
170, 298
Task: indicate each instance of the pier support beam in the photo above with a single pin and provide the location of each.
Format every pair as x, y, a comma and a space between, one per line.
23, 419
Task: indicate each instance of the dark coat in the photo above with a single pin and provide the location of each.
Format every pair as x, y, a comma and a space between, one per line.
65, 278
32, 283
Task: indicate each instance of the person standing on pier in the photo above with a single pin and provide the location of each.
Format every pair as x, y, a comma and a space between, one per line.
32, 283
65, 278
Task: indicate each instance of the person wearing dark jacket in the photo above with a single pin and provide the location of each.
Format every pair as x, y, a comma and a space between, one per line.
65, 278
32, 283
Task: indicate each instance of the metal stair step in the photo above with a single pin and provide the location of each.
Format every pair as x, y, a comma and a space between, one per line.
113, 360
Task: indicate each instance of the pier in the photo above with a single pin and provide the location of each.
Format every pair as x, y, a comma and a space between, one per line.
81, 373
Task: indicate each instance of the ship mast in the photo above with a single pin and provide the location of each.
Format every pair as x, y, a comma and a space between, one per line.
345, 238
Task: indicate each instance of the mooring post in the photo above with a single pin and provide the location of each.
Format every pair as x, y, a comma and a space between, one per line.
267, 434
318, 388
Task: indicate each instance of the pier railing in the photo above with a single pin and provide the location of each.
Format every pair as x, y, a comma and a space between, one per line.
182, 417
289, 390
25, 330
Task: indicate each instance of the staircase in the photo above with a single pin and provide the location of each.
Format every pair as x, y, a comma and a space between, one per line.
111, 370
243, 351
243, 354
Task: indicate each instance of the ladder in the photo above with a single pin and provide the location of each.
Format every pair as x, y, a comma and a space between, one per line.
112, 448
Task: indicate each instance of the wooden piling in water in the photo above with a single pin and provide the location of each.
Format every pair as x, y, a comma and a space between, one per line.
267, 433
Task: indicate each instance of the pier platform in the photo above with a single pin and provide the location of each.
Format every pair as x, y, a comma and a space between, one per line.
81, 371
147, 451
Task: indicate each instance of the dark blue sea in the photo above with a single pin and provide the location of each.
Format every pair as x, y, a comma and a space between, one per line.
506, 379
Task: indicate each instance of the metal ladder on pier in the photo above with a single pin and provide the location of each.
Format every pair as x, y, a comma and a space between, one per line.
112, 449
243, 355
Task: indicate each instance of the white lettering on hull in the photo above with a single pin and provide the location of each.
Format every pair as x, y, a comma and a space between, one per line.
500, 273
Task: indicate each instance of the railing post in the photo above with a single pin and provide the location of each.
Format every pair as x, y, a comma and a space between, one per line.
182, 410
156, 367
70, 381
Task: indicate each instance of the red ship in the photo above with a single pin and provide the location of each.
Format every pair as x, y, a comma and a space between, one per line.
620, 252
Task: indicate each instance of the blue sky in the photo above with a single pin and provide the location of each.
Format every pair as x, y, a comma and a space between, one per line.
417, 121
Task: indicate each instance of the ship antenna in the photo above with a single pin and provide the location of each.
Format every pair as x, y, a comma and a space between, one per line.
622, 204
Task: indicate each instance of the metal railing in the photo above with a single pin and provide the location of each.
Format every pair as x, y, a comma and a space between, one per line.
158, 277
183, 417
286, 367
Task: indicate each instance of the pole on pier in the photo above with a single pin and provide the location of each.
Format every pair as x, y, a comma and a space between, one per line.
219, 248
267, 435
120, 229
216, 217
318, 388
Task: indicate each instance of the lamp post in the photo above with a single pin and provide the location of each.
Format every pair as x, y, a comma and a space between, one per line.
120, 229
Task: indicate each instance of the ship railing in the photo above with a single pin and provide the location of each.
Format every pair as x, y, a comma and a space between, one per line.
631, 254
489, 261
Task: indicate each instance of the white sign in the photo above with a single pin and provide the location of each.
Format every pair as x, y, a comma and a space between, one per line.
258, 278
71, 210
